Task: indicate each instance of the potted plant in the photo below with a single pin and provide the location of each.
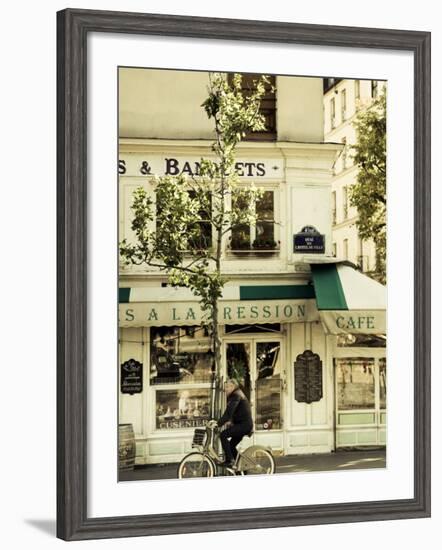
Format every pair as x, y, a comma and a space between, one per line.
264, 244
240, 241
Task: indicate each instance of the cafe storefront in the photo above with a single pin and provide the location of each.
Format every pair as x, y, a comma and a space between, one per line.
310, 359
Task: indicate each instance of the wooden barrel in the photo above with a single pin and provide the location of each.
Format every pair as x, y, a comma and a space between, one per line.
126, 447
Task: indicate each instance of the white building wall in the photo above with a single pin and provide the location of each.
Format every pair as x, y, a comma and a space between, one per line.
298, 116
167, 104
163, 104
345, 172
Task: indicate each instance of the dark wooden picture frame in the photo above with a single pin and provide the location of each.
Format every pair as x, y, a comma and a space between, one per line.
73, 27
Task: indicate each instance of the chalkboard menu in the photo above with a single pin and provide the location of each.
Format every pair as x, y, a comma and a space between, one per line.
308, 377
131, 377
309, 241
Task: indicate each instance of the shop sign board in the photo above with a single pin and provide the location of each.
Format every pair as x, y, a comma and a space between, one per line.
308, 377
173, 165
309, 241
131, 377
137, 314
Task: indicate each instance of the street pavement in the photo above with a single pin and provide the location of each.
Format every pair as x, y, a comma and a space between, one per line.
337, 461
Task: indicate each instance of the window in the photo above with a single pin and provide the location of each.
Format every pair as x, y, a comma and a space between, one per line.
382, 383
180, 355
252, 329
182, 408
345, 249
333, 207
268, 385
332, 113
360, 340
202, 235
344, 153
261, 235
362, 258
334, 250
374, 89
345, 202
357, 90
355, 384
181, 364
268, 106
343, 105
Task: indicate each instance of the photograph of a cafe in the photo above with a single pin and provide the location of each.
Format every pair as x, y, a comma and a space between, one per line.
302, 330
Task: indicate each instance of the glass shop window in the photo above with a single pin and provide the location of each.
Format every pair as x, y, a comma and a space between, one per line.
182, 408
355, 384
268, 385
180, 355
382, 383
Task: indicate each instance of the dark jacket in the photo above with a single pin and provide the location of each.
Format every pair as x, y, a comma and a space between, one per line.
237, 410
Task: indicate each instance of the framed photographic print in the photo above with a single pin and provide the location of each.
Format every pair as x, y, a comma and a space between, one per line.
232, 288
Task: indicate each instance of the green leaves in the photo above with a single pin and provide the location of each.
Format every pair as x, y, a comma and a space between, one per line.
368, 194
179, 228
235, 114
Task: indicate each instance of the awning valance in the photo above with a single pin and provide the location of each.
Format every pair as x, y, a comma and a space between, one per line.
168, 306
347, 300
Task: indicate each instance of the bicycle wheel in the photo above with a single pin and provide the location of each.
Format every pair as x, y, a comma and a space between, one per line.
196, 465
257, 460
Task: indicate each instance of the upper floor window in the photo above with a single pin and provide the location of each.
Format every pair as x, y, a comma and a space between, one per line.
345, 249
334, 207
332, 113
267, 108
357, 90
201, 234
344, 153
344, 105
345, 202
261, 235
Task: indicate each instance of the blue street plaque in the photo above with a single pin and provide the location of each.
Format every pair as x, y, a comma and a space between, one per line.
309, 241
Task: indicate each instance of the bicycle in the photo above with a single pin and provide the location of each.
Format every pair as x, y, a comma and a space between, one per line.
206, 462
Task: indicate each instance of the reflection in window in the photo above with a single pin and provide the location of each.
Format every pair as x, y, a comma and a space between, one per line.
349, 340
238, 365
181, 408
268, 385
355, 384
265, 235
382, 383
260, 235
180, 355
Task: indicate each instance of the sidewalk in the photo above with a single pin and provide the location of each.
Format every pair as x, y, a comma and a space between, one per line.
340, 460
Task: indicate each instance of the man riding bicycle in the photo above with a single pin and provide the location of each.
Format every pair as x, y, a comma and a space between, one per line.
236, 422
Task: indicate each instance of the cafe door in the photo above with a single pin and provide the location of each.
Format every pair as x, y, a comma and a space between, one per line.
256, 364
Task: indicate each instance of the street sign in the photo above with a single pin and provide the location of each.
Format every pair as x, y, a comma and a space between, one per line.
309, 241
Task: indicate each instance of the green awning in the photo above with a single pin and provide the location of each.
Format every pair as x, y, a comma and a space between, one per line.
348, 301
328, 287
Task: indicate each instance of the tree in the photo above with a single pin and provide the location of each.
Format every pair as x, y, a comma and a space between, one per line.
182, 235
368, 194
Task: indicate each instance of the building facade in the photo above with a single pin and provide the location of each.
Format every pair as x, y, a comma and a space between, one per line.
343, 99
304, 334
